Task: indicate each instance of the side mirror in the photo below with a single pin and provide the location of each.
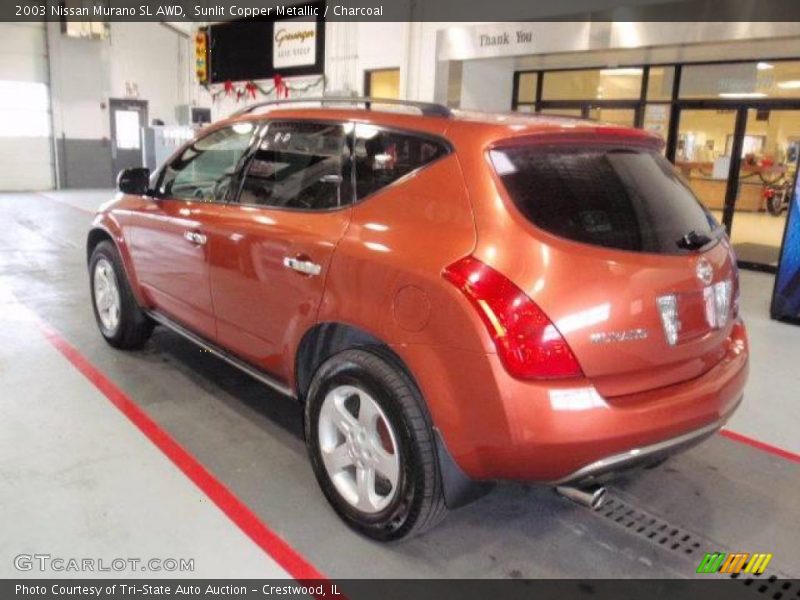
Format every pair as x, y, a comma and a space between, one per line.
135, 181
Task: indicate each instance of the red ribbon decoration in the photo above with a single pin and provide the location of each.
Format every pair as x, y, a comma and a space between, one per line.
228, 88
251, 89
280, 87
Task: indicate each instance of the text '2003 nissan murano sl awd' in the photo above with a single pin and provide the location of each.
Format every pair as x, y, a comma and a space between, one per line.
455, 298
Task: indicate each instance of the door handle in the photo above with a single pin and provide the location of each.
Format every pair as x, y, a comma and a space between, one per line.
301, 265
195, 237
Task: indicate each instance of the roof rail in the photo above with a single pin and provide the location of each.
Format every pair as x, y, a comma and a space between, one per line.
428, 109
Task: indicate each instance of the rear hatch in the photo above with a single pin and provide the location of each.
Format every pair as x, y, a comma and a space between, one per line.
634, 272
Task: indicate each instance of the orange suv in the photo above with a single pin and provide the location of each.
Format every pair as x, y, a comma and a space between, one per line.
455, 298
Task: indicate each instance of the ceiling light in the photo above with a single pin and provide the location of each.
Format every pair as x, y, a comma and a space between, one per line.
742, 95
792, 84
764, 66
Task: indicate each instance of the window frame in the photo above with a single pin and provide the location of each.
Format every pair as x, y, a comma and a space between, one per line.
446, 145
249, 157
235, 176
236, 199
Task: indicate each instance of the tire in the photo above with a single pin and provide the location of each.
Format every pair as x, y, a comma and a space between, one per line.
414, 503
131, 328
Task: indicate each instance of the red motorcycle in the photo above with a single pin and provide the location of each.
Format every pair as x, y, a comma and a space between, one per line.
777, 196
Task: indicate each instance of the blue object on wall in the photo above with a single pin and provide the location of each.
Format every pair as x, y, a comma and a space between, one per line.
786, 293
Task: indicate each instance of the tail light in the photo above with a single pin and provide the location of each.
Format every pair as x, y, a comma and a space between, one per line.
527, 341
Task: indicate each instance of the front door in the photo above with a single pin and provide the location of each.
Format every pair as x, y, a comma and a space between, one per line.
769, 152
704, 155
270, 250
127, 119
740, 161
170, 232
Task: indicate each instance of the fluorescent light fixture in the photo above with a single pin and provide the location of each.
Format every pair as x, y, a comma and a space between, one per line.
626, 71
764, 66
742, 95
792, 84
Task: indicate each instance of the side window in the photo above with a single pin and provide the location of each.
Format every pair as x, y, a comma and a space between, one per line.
382, 157
203, 171
301, 165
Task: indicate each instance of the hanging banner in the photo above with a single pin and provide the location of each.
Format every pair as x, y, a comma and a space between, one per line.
260, 48
294, 44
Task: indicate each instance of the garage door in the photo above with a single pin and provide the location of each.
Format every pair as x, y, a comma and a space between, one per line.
26, 147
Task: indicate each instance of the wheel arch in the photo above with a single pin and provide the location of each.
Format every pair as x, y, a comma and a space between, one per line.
96, 235
324, 340
101, 232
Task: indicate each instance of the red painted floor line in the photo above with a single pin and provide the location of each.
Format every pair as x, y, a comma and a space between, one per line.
269, 541
763, 446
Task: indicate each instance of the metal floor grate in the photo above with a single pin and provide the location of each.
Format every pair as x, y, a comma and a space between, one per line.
652, 528
692, 546
777, 588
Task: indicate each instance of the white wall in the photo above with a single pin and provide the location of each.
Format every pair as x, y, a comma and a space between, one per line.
487, 84
354, 47
155, 58
85, 74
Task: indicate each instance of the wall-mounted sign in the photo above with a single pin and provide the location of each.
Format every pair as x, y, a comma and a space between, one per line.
294, 44
552, 37
250, 49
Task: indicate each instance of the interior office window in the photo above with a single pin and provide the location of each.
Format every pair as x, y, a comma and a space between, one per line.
593, 84
301, 165
656, 120
751, 80
659, 83
24, 109
204, 170
526, 88
127, 129
382, 157
382, 83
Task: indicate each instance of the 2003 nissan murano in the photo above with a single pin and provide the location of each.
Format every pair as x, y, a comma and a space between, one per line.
454, 298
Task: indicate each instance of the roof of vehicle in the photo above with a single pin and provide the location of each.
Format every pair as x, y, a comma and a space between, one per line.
484, 126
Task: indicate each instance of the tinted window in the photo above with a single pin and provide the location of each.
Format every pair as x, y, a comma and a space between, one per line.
623, 198
300, 165
383, 157
203, 171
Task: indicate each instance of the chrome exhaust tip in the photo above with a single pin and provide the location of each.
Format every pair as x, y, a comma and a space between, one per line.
591, 496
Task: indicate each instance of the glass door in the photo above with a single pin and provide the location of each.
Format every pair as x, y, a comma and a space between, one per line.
766, 174
703, 154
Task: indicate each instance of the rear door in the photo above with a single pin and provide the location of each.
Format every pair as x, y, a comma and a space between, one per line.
169, 239
270, 249
635, 273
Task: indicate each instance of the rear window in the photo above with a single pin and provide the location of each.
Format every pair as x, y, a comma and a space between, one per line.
616, 197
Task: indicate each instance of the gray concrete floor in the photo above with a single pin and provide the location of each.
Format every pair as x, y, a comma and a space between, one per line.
77, 479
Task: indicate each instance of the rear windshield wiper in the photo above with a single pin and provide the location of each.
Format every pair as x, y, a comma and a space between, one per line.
695, 241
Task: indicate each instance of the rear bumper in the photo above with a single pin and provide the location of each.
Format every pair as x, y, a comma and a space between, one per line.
499, 428
642, 456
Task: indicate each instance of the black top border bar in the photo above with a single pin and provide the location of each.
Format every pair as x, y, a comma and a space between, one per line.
465, 11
